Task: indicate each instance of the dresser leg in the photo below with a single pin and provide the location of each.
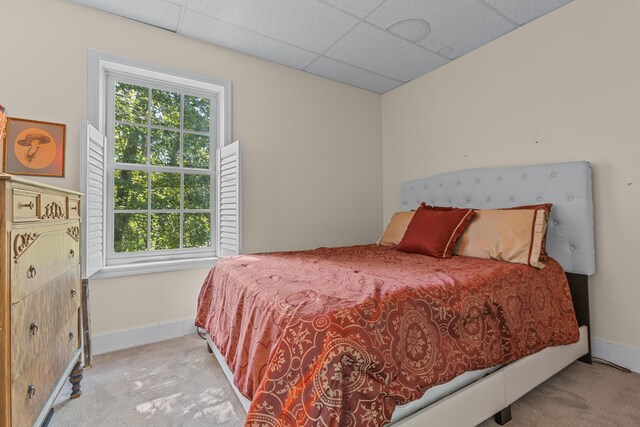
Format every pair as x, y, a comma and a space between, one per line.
75, 378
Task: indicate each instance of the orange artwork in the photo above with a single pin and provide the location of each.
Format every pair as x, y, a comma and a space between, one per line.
34, 148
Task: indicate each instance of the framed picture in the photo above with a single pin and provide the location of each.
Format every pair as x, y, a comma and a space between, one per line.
34, 148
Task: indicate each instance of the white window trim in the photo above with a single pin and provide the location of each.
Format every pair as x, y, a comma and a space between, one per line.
100, 65
154, 267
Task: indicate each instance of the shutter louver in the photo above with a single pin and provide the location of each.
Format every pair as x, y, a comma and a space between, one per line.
229, 197
93, 182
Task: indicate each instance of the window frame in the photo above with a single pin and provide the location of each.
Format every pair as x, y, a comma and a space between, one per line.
104, 67
119, 258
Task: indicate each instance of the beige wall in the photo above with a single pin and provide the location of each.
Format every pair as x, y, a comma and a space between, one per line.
565, 87
312, 147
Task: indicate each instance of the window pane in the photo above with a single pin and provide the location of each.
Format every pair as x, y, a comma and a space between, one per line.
197, 230
131, 103
165, 231
130, 189
129, 232
196, 113
165, 147
165, 190
165, 108
197, 191
196, 151
130, 144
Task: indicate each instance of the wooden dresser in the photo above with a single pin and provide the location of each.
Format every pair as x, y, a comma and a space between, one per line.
40, 299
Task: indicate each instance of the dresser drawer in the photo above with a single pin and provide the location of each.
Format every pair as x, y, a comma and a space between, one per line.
53, 206
39, 255
38, 319
73, 207
31, 389
25, 205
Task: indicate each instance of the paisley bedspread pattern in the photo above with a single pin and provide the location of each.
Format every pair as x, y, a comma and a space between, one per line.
340, 336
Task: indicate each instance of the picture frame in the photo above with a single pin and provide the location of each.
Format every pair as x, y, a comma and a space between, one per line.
33, 147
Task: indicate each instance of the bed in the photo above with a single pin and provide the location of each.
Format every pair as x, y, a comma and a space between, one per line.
396, 325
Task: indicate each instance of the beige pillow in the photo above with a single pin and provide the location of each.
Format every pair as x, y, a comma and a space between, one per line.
396, 228
505, 235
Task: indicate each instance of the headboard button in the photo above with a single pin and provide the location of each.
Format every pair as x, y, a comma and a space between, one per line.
571, 248
539, 199
553, 174
525, 177
555, 222
511, 199
488, 200
477, 181
570, 198
499, 179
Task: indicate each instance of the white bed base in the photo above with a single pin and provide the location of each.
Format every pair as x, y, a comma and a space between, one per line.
480, 400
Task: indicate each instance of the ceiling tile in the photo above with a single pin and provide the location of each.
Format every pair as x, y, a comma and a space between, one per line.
309, 24
161, 13
212, 30
357, 7
378, 51
335, 70
523, 11
449, 28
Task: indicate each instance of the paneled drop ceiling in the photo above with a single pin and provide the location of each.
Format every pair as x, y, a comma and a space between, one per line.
372, 44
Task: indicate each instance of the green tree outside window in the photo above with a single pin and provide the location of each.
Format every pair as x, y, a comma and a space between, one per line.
159, 135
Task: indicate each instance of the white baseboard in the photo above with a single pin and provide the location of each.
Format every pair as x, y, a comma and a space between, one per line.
113, 341
620, 355
105, 343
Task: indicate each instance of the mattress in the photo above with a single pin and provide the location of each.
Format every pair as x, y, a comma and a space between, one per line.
350, 333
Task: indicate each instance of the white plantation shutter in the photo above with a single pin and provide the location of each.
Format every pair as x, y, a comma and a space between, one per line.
229, 197
93, 185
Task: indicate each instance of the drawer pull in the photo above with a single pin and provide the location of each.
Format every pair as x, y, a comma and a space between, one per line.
34, 328
70, 336
73, 293
72, 253
31, 272
31, 391
74, 207
29, 205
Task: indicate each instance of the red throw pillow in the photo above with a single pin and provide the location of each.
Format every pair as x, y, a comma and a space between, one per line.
437, 208
434, 232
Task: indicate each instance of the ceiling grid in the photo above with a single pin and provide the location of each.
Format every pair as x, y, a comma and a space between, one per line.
376, 45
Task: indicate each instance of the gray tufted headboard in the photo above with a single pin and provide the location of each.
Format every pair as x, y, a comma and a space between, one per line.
570, 237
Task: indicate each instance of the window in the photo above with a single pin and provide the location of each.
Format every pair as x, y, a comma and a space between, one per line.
162, 170
153, 181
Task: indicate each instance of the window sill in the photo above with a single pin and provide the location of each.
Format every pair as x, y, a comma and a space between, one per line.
154, 267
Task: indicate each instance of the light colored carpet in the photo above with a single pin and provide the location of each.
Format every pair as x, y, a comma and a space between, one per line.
168, 384
178, 383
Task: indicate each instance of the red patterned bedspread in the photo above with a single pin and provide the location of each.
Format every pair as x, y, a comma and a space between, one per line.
340, 336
